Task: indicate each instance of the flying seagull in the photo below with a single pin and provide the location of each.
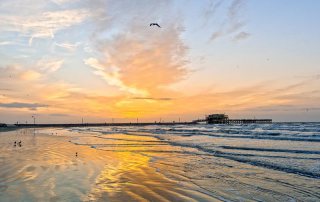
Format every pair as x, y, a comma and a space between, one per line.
155, 24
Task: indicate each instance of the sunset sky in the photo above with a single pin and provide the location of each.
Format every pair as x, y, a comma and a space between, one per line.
62, 60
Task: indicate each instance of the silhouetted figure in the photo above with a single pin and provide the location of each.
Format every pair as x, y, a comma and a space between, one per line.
76, 153
15, 143
20, 143
155, 24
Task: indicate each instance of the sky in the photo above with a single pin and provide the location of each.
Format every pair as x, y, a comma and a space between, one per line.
64, 60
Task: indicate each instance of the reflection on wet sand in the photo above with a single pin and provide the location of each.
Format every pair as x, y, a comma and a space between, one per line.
46, 168
133, 179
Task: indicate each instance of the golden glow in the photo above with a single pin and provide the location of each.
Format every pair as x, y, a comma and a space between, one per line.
75, 60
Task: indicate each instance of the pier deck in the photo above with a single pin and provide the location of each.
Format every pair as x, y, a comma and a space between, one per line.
224, 119
241, 121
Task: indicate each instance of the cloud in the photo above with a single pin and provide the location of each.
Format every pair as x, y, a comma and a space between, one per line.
59, 115
15, 75
291, 97
152, 98
31, 106
235, 19
241, 36
50, 65
44, 24
10, 73
30, 75
232, 24
61, 2
4, 43
235, 8
216, 35
112, 77
212, 8
30, 86
5, 89
289, 108
135, 57
68, 46
148, 60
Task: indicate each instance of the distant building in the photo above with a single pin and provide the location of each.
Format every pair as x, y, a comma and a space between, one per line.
217, 118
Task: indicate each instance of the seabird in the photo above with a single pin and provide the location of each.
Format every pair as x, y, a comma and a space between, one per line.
155, 24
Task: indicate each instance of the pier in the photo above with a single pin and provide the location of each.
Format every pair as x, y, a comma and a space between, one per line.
247, 121
210, 119
224, 119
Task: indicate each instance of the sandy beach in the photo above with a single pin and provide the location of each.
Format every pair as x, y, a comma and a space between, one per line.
101, 164
46, 168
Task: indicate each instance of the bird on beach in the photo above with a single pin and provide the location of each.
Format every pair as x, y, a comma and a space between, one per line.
155, 24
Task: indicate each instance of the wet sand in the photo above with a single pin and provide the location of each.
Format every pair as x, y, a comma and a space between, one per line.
132, 167
46, 168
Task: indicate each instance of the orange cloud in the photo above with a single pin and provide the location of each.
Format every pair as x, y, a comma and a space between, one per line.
30, 75
143, 62
148, 59
112, 77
